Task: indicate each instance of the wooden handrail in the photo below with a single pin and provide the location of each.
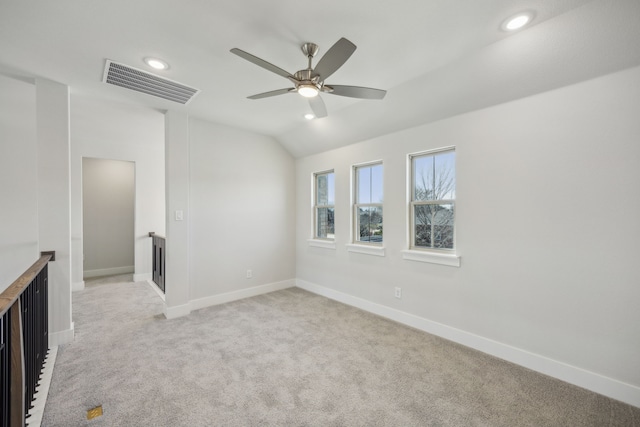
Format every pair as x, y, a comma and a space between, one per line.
13, 292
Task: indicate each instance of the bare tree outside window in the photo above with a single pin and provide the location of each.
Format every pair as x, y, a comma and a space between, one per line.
433, 200
324, 205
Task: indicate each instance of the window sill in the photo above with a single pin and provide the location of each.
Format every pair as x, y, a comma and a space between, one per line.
366, 249
451, 260
326, 244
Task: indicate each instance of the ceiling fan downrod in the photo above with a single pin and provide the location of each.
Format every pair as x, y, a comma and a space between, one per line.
310, 50
307, 83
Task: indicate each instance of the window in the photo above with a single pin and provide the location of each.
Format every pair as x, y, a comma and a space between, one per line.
324, 185
367, 206
433, 194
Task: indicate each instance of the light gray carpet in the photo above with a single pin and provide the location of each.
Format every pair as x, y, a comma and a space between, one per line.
291, 358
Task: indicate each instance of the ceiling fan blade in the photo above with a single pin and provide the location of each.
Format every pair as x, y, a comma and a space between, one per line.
272, 93
356, 92
318, 107
262, 63
334, 58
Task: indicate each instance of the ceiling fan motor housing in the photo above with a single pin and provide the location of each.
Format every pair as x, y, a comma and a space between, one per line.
306, 76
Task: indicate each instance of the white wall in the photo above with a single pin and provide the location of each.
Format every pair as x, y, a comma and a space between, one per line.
547, 228
106, 130
54, 201
18, 179
177, 281
242, 212
108, 194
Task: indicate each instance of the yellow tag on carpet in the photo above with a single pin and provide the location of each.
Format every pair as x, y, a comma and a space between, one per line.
94, 413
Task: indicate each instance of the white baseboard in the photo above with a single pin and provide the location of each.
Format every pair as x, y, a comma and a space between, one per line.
108, 271
77, 286
143, 277
597, 383
62, 337
197, 304
177, 311
241, 294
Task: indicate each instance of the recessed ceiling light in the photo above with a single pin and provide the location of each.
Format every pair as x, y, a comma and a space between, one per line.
517, 21
156, 63
309, 116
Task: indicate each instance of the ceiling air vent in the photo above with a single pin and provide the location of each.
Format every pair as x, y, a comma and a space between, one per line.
141, 81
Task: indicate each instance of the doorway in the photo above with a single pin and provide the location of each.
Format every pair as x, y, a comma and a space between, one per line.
108, 217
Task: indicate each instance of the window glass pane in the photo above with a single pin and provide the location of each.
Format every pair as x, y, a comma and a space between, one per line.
322, 189
434, 226
422, 224
325, 189
369, 184
434, 176
445, 182
370, 224
325, 223
364, 185
376, 184
331, 196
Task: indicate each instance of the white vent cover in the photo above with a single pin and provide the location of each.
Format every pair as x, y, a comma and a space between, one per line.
141, 81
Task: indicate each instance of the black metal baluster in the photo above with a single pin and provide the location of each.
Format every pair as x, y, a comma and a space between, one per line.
22, 366
5, 377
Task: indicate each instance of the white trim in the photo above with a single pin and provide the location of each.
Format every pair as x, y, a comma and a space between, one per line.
197, 304
366, 249
156, 289
142, 277
433, 151
241, 294
109, 271
452, 260
326, 244
364, 164
40, 397
62, 337
77, 286
595, 382
176, 311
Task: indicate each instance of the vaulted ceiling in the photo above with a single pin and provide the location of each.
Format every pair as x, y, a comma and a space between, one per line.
436, 58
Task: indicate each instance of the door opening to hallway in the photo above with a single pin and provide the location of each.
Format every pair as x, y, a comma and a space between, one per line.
108, 217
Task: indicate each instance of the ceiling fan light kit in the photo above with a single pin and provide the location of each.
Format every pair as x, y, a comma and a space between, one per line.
311, 81
308, 91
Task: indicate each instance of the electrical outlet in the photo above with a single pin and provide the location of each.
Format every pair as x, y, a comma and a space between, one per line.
398, 292
249, 274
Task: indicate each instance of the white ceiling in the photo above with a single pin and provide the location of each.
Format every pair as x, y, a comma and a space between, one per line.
436, 58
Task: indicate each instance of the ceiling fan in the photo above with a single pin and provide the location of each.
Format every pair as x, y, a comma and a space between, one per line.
311, 81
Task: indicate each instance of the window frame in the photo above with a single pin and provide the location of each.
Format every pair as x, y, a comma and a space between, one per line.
316, 206
356, 206
413, 203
